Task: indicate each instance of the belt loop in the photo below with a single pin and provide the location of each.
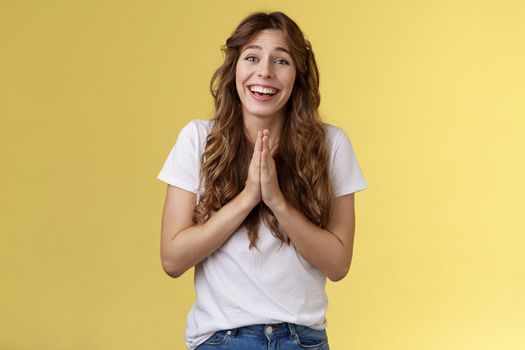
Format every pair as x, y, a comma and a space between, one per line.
293, 333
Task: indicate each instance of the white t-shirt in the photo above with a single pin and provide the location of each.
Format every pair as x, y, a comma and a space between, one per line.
235, 286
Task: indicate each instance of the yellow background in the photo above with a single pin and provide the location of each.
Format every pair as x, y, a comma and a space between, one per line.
94, 93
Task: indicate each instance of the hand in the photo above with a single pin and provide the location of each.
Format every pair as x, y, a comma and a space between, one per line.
270, 191
253, 182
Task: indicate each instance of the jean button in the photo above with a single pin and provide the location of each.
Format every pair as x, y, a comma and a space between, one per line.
269, 329
229, 332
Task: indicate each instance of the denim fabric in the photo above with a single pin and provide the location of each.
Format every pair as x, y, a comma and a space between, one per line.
276, 336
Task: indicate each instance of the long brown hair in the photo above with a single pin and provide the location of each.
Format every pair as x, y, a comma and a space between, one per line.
301, 161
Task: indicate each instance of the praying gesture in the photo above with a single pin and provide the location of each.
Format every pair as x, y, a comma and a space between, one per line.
262, 183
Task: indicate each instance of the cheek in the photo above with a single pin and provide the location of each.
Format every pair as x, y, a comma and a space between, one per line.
240, 71
238, 80
291, 82
237, 72
290, 79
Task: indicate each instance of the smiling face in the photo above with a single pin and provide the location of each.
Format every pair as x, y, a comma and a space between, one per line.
265, 65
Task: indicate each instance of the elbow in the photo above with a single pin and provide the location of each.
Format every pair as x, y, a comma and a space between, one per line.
340, 274
172, 274
337, 278
171, 264
171, 270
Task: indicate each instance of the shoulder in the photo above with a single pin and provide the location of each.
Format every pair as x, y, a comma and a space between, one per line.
196, 131
198, 126
333, 134
338, 142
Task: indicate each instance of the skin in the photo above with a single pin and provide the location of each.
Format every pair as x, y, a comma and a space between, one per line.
262, 61
266, 65
262, 184
185, 244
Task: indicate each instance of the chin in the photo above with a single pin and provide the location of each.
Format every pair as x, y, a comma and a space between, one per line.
262, 112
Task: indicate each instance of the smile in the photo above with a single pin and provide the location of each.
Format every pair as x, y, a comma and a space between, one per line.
262, 94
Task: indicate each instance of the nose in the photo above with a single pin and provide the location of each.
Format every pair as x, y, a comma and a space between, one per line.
265, 69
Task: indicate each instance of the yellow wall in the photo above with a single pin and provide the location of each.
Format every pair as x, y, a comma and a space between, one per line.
94, 93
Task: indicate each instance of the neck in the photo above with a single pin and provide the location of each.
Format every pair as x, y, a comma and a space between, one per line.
252, 124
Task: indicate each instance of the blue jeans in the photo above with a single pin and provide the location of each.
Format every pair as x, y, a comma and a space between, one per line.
282, 336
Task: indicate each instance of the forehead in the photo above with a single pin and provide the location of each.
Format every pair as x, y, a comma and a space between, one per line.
268, 39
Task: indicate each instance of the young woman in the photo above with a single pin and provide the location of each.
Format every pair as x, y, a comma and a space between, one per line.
260, 198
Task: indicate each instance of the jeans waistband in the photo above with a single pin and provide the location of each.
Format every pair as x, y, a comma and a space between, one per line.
268, 328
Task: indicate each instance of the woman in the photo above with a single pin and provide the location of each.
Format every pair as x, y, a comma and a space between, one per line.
260, 199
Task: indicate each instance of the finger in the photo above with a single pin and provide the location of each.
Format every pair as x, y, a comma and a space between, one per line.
264, 151
261, 143
257, 149
266, 145
256, 143
275, 148
271, 152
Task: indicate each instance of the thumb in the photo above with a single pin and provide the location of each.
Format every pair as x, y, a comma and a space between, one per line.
275, 147
256, 157
264, 151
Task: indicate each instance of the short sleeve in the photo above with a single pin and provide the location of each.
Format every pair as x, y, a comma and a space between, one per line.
181, 168
345, 170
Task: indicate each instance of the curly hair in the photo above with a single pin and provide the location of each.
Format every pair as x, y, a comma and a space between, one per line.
302, 161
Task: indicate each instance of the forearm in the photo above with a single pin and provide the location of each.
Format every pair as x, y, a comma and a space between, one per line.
195, 243
321, 248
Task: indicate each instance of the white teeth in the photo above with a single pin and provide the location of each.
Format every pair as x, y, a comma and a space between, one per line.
263, 90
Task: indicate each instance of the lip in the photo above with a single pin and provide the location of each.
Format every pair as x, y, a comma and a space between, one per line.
261, 98
263, 85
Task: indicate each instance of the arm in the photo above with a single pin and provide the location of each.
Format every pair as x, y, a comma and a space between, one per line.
329, 250
184, 244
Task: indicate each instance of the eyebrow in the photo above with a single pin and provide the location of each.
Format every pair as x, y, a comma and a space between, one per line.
278, 48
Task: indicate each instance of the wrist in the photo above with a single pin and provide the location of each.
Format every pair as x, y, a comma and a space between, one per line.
246, 200
278, 206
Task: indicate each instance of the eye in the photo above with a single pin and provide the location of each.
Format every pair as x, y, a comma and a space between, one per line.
253, 59
281, 60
